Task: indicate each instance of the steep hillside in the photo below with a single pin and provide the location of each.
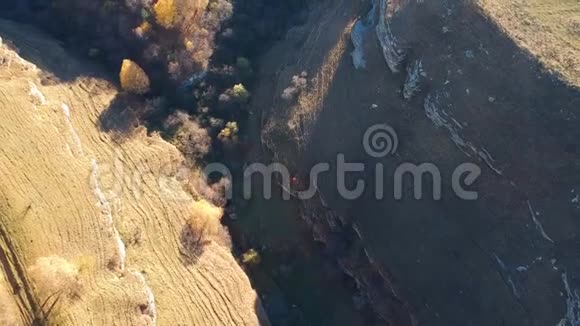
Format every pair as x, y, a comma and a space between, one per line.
455, 88
93, 226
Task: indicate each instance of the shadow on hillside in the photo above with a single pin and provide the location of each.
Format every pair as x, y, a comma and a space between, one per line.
48, 55
122, 116
192, 246
263, 319
506, 103
58, 65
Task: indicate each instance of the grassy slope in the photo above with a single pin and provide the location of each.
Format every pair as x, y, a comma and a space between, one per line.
549, 29
61, 178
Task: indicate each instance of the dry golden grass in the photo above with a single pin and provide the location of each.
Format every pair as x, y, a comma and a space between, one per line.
69, 190
55, 275
9, 314
549, 29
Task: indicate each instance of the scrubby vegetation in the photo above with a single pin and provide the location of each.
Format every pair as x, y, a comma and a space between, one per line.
215, 193
186, 68
203, 227
188, 136
171, 39
196, 55
205, 220
297, 85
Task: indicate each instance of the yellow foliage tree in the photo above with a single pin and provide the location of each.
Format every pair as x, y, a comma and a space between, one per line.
230, 131
205, 221
203, 227
166, 13
239, 91
143, 29
133, 78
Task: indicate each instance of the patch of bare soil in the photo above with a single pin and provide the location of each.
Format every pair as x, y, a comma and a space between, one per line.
93, 226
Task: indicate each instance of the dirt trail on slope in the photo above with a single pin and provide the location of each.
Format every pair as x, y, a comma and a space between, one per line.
115, 210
